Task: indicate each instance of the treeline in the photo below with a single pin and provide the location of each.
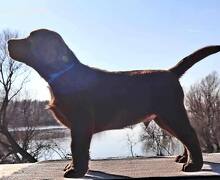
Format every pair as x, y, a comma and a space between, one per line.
29, 113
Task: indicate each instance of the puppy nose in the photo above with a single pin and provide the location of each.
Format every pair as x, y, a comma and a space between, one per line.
10, 47
10, 42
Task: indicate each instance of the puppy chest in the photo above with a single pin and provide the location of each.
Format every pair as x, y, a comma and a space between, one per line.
60, 117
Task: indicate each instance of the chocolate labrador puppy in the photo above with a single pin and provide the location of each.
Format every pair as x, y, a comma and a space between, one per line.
89, 100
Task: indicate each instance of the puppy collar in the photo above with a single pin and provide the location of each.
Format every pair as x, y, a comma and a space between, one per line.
54, 76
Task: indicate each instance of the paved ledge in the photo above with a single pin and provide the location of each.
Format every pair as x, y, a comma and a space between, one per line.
115, 169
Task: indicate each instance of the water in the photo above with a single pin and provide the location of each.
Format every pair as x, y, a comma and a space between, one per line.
108, 144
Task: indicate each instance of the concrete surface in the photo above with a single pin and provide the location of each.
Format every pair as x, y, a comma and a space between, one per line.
115, 169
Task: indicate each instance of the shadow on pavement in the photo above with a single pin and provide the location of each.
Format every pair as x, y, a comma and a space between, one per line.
102, 175
215, 167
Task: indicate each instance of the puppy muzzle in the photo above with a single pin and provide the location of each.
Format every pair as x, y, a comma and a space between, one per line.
17, 49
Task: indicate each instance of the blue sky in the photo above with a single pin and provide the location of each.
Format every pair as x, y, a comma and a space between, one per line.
123, 34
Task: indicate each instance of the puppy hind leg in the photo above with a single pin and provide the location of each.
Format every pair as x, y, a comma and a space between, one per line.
180, 158
193, 146
179, 124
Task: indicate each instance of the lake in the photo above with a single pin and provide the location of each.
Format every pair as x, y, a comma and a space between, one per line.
107, 144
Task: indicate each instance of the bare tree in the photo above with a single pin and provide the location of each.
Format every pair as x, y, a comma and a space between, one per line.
25, 116
156, 139
203, 105
27, 143
131, 141
13, 76
27, 112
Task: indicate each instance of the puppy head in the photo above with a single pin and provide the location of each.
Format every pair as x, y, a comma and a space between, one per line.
43, 50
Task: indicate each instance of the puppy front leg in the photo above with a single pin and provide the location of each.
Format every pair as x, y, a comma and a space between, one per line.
81, 138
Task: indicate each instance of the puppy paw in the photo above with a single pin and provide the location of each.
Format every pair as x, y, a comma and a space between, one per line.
181, 159
68, 166
191, 167
74, 173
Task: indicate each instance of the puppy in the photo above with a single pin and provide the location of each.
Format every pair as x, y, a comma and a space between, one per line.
89, 100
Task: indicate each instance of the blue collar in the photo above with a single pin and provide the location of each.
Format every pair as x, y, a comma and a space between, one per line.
54, 76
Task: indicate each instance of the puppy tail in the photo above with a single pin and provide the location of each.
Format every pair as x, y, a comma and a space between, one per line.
193, 58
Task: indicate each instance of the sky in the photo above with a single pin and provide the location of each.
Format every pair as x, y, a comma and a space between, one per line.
122, 34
